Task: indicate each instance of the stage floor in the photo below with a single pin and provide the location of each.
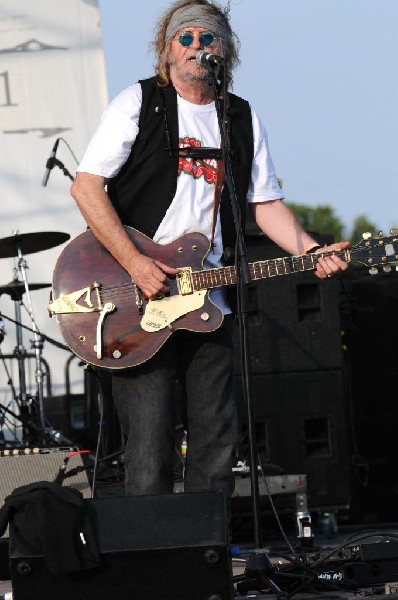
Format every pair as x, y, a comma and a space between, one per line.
380, 564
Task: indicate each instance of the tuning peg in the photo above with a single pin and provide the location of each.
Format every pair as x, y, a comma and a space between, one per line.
387, 269
366, 235
373, 271
394, 231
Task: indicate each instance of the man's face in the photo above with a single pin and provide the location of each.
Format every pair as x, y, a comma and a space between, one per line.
182, 59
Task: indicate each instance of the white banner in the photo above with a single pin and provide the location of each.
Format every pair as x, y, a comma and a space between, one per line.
52, 85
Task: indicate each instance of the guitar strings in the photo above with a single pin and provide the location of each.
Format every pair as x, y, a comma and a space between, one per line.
227, 275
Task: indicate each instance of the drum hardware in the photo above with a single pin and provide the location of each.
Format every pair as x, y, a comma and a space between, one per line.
16, 288
17, 246
28, 243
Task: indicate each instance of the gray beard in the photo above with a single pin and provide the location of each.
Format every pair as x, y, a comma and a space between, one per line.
192, 77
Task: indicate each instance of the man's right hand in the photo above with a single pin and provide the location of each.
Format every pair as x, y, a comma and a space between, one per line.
150, 275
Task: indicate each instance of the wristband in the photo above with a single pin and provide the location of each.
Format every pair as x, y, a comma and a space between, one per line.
312, 248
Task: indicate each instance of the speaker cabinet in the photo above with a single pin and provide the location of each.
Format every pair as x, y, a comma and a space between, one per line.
302, 426
293, 320
169, 547
373, 350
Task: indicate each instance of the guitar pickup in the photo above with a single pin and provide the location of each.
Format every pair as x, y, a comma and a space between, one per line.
68, 303
184, 281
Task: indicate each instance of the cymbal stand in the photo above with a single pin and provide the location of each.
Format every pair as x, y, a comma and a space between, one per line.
37, 345
20, 354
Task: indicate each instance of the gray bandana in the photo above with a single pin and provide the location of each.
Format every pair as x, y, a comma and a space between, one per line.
196, 16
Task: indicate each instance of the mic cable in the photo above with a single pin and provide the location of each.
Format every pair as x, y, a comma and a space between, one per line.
62, 473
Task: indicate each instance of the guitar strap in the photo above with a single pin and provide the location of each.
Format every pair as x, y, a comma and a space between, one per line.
217, 197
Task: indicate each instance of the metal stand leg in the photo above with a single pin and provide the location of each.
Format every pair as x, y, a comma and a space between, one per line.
20, 355
38, 342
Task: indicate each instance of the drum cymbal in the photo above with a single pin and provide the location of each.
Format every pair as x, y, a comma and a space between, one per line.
16, 288
31, 242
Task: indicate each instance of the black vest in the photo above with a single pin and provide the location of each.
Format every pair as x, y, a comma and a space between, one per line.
145, 186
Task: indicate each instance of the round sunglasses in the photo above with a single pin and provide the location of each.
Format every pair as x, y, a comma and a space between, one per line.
206, 38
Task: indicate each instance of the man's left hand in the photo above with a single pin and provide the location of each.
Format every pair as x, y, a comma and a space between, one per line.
330, 265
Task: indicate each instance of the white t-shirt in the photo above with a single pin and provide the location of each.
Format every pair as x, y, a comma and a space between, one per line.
192, 206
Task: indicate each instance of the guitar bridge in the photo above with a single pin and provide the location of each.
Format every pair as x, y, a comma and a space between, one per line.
184, 281
68, 303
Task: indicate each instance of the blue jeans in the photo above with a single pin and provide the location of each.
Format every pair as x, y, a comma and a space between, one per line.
145, 398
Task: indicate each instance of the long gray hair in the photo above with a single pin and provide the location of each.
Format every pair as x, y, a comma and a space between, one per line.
161, 45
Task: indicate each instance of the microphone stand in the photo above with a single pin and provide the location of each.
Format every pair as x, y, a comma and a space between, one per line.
43, 431
242, 280
258, 571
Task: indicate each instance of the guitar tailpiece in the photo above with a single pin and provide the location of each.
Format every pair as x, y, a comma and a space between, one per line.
138, 299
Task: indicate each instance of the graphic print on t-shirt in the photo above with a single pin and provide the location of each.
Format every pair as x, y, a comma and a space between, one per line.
196, 167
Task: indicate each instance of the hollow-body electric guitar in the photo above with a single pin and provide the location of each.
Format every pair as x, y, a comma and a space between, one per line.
107, 322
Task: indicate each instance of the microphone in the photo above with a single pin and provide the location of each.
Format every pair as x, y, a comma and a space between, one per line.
208, 60
50, 163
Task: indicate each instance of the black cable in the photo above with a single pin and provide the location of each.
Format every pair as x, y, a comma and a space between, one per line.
349, 541
310, 574
42, 335
99, 436
356, 537
274, 510
9, 378
69, 148
60, 476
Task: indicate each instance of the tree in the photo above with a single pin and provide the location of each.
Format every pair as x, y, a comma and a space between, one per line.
319, 219
362, 225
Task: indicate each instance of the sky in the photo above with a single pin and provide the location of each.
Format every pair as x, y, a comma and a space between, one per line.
323, 77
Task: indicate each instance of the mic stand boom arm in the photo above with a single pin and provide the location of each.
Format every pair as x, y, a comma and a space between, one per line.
242, 281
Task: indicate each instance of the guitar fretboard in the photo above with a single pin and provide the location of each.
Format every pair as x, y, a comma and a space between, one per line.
262, 269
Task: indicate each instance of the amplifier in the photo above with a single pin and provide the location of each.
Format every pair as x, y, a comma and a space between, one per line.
27, 465
357, 552
353, 575
355, 566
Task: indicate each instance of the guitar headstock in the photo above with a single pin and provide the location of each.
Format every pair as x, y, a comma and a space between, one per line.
377, 252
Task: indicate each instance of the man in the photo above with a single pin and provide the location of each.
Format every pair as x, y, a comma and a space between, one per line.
133, 173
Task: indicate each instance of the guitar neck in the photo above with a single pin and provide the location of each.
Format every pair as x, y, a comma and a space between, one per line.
263, 269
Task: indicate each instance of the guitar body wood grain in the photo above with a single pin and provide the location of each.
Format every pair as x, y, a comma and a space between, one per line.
125, 344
